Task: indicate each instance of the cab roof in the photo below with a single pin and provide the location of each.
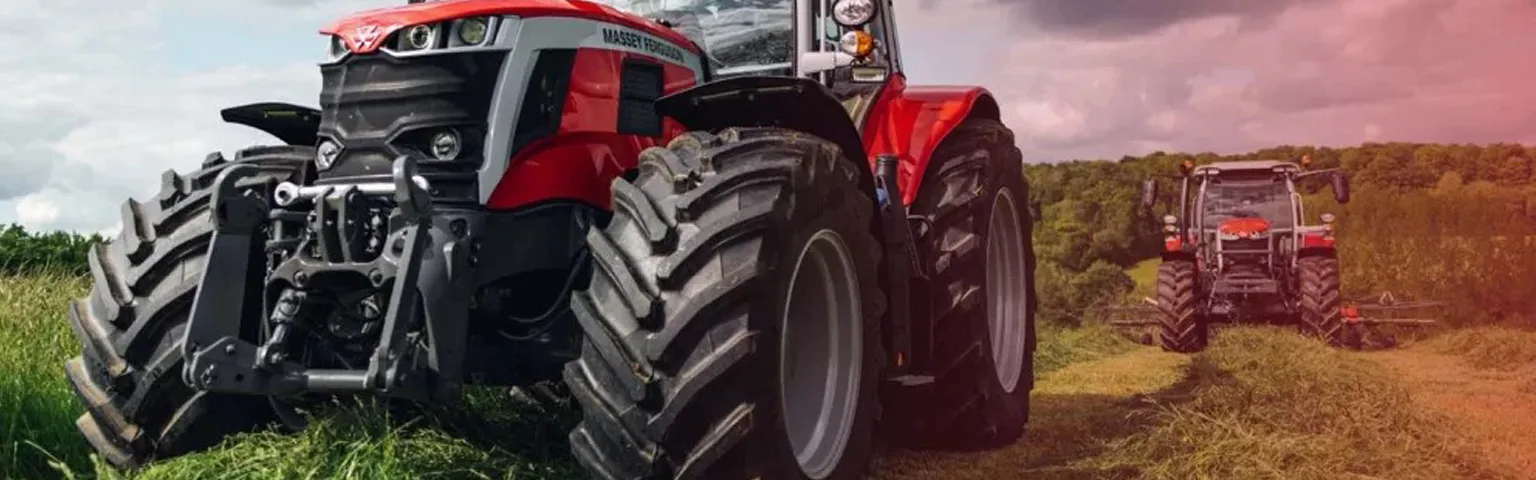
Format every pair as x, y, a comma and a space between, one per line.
1246, 166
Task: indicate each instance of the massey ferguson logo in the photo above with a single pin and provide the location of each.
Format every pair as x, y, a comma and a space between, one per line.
365, 35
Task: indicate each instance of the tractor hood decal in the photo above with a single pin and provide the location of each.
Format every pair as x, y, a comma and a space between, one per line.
1244, 226
365, 32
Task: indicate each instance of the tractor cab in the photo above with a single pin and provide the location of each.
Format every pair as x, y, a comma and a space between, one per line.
849, 46
1247, 213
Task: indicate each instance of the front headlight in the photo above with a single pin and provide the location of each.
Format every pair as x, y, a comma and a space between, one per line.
472, 31
853, 13
420, 37
446, 145
1226, 236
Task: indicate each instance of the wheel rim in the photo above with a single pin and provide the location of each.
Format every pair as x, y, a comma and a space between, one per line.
819, 359
1006, 291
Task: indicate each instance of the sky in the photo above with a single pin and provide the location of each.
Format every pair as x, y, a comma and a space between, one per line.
107, 95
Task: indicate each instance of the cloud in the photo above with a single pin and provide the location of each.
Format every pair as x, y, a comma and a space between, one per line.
1117, 18
1101, 78
95, 115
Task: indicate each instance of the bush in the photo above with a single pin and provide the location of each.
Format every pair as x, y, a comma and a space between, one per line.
56, 252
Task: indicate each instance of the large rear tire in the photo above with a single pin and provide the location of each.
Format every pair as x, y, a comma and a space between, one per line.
128, 375
690, 316
1181, 328
981, 298
1320, 298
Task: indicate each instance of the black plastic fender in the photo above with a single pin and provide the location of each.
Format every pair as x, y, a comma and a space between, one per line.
293, 124
793, 103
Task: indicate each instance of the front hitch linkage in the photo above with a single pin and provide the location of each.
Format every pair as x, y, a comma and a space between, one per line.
427, 287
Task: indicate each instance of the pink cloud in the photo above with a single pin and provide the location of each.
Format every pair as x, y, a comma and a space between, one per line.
1100, 79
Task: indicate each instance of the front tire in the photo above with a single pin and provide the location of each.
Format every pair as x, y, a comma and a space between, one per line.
1320, 315
688, 316
1181, 328
981, 298
128, 375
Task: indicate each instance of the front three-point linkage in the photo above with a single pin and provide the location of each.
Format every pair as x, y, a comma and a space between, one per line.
425, 268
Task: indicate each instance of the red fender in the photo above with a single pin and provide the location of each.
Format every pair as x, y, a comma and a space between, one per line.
909, 122
364, 32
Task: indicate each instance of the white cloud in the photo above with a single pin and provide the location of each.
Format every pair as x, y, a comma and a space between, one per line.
96, 115
36, 209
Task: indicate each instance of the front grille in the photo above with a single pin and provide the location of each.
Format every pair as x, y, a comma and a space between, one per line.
1245, 244
378, 107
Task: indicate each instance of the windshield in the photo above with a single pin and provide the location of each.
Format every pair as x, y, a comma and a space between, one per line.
738, 36
1268, 200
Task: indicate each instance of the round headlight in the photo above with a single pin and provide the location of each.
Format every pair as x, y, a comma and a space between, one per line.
472, 31
1328, 217
853, 13
1170, 219
326, 154
420, 37
446, 145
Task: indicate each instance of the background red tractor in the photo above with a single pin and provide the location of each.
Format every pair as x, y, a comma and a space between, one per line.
730, 230
1239, 250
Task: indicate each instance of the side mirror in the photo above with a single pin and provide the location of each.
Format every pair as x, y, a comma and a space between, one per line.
1148, 193
817, 62
1340, 188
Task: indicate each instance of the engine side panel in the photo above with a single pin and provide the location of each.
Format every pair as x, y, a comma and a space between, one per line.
602, 126
909, 122
596, 136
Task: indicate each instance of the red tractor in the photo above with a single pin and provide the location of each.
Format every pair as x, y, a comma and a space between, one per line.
729, 230
1239, 252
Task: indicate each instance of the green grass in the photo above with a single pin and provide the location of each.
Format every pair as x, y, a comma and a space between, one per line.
488, 437
1268, 403
1144, 273
1262, 402
1489, 347
1059, 347
37, 407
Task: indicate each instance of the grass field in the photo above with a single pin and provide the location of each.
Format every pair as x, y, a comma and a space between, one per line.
488, 438
1268, 403
1144, 274
1260, 403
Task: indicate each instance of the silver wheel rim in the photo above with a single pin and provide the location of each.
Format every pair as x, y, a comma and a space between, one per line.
1006, 291
819, 358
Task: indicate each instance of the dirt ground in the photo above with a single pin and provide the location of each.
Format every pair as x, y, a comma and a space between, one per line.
1497, 408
